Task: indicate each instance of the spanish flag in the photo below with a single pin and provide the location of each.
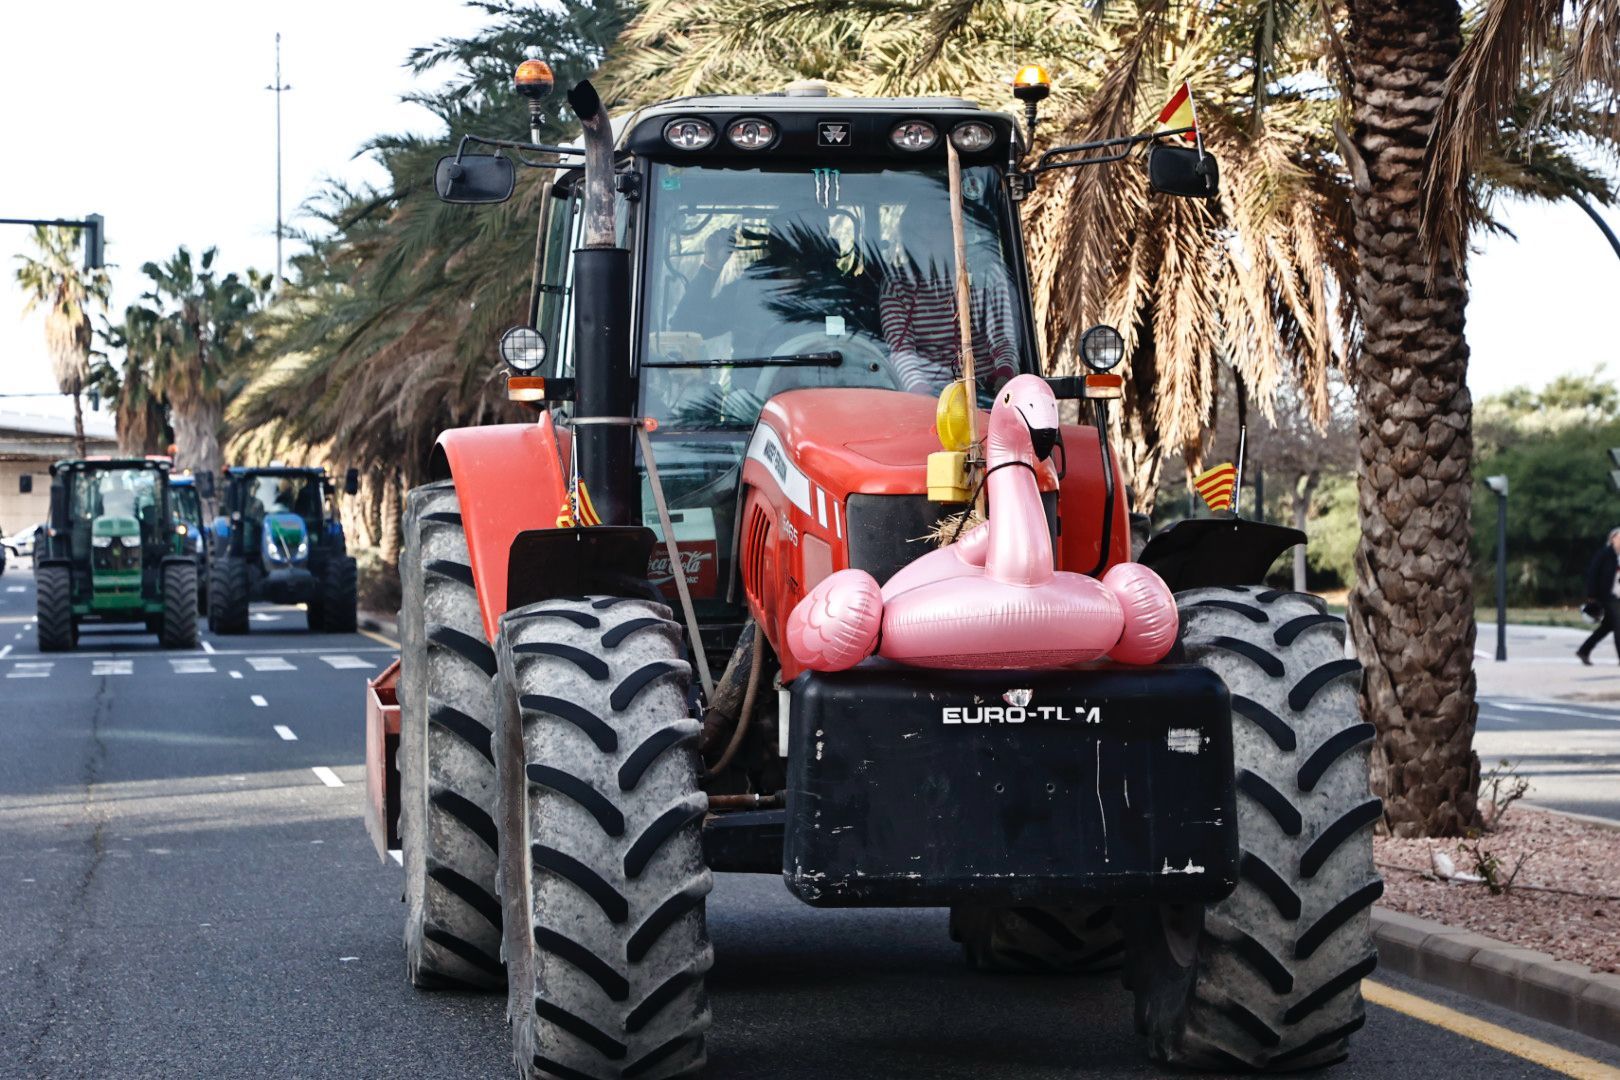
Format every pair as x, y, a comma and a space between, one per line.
1179, 113
1215, 486
568, 518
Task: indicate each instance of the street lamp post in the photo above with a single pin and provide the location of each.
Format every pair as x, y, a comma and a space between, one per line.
1499, 485
279, 88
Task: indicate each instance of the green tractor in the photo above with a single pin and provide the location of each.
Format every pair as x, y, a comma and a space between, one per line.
112, 554
278, 537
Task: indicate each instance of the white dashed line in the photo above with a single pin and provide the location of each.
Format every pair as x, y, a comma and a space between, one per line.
236, 674
397, 855
192, 666
36, 669
258, 699
207, 648
4, 651
341, 662
286, 733
16, 588
112, 667
327, 776
269, 663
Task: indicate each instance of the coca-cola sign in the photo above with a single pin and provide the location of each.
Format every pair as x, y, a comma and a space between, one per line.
698, 561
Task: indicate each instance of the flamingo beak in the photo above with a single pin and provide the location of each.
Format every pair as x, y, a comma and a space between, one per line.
1044, 440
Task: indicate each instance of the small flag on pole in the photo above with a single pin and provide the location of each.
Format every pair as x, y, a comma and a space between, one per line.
1179, 113
577, 510
1216, 485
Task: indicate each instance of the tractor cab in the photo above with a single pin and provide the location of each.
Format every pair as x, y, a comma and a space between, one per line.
111, 552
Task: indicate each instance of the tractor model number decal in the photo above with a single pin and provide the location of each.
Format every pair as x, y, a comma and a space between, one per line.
1018, 714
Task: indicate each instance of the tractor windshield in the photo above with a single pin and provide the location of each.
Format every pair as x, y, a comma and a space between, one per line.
187, 507
105, 505
765, 279
285, 494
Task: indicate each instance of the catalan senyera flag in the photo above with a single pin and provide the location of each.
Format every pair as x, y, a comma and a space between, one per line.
1215, 486
1179, 113
567, 518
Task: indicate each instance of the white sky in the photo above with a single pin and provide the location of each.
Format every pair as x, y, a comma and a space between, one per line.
156, 116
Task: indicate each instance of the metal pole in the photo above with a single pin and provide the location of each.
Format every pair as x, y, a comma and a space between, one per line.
279, 88
1501, 576
1591, 212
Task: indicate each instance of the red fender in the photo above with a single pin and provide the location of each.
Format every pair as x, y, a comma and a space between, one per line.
509, 478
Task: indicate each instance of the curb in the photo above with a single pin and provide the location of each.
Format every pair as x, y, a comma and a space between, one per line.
379, 623
1532, 983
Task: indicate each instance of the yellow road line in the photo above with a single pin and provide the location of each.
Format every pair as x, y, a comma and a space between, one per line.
1500, 1038
390, 642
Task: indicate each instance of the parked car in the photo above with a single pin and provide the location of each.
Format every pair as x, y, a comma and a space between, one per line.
21, 543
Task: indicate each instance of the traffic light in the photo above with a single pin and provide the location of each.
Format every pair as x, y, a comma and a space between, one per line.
95, 242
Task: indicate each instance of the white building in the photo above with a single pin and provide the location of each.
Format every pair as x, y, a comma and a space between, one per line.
34, 432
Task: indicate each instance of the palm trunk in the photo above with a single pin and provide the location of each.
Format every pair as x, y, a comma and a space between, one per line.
1412, 608
389, 539
196, 436
1302, 516
80, 447
1140, 449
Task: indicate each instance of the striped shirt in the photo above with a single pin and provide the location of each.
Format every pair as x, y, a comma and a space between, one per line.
919, 327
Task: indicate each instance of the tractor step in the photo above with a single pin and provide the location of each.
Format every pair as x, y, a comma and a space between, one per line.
1005, 787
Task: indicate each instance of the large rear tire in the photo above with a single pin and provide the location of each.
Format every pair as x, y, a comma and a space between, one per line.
178, 629
446, 761
602, 874
53, 600
1270, 977
1052, 940
227, 595
340, 595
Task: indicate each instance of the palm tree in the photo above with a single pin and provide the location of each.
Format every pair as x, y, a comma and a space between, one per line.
54, 282
1427, 111
203, 330
140, 413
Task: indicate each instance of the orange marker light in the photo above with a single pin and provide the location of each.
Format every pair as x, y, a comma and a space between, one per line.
1032, 83
533, 79
525, 388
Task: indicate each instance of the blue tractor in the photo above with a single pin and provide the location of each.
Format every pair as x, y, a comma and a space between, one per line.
278, 538
186, 497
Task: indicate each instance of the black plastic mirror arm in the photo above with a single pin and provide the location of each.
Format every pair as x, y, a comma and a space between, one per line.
1046, 161
537, 148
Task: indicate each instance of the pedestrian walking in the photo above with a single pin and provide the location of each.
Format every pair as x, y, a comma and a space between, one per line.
1603, 592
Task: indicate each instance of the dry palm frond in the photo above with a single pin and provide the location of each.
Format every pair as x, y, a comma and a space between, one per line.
951, 527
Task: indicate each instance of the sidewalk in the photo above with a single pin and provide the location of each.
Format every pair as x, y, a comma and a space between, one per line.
1541, 664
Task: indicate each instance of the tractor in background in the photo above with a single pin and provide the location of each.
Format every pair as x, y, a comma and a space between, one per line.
186, 495
111, 554
728, 410
278, 537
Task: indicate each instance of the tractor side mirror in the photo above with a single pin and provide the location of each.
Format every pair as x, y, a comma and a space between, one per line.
25, 484
351, 482
474, 178
205, 484
1183, 171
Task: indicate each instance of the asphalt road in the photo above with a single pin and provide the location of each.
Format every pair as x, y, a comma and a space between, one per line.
1569, 751
183, 894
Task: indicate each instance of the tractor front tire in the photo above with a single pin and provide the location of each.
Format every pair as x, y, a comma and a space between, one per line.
227, 595
1270, 977
339, 595
603, 881
178, 629
53, 598
446, 760
1077, 940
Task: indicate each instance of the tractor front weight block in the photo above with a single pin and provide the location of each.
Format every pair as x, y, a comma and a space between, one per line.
910, 787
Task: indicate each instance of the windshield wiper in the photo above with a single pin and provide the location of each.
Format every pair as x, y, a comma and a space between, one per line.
809, 359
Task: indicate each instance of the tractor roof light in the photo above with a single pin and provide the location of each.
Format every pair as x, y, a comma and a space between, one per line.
751, 133
689, 133
523, 348
533, 79
914, 135
1102, 348
1032, 83
972, 136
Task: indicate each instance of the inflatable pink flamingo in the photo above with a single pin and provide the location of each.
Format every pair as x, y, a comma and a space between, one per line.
992, 599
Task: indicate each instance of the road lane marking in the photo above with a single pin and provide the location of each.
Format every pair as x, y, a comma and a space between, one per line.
397, 855
269, 663
16, 588
286, 733
258, 699
236, 674
207, 648
374, 636
259, 616
4, 652
1546, 1055
327, 776
112, 667
192, 666
31, 669
341, 662
1584, 714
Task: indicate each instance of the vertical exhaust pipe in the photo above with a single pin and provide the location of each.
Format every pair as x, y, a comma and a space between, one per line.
603, 387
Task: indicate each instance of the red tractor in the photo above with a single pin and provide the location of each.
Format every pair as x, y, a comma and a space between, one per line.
732, 405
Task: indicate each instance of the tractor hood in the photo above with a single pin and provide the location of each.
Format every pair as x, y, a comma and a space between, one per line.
858, 441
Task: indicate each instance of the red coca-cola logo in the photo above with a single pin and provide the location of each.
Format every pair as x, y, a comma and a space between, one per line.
697, 560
